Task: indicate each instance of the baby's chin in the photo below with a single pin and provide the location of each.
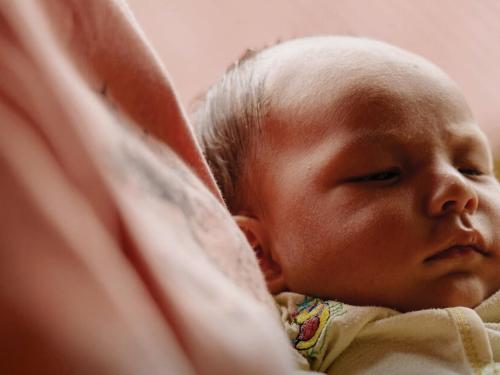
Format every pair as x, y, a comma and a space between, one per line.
454, 290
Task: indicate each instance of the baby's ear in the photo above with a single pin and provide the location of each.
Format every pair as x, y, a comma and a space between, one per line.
258, 238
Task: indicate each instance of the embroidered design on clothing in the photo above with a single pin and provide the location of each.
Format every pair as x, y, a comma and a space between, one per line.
312, 318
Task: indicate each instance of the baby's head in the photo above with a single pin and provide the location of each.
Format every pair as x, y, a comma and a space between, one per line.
358, 173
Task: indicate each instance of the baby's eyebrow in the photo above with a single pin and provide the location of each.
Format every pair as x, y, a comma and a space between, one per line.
374, 140
343, 150
398, 145
467, 142
476, 149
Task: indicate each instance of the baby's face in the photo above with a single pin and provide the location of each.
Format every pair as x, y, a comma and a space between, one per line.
377, 185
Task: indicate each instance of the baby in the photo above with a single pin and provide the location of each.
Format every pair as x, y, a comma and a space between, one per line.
358, 174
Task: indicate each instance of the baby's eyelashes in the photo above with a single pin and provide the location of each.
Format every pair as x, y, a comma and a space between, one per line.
394, 174
380, 176
470, 171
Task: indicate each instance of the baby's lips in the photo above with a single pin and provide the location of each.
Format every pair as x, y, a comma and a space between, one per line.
454, 251
461, 243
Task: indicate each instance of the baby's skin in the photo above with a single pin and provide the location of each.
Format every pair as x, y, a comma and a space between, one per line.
373, 183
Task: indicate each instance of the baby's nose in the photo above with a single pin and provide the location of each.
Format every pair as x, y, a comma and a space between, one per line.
451, 192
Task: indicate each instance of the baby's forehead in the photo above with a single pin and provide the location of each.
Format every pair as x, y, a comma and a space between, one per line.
327, 77
376, 113
316, 67
375, 100
336, 56
314, 87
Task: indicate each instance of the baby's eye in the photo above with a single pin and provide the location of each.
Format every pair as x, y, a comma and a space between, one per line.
378, 176
470, 171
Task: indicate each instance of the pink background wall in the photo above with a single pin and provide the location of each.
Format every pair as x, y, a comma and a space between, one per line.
198, 39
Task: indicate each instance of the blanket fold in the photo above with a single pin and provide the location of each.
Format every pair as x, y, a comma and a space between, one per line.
116, 255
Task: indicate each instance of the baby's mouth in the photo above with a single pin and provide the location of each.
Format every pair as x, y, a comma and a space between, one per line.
457, 251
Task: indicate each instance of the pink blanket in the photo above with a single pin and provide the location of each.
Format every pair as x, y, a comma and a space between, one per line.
116, 254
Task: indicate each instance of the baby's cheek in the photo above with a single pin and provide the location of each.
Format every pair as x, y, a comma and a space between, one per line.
380, 222
487, 219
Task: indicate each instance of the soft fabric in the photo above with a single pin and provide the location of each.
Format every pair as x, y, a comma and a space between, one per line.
116, 253
336, 338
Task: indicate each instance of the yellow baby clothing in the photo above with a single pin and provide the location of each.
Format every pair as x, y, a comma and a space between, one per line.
337, 338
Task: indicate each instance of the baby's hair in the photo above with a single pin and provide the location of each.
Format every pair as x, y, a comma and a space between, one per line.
227, 124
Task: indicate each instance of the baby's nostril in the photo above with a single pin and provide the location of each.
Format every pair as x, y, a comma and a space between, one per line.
470, 205
447, 205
